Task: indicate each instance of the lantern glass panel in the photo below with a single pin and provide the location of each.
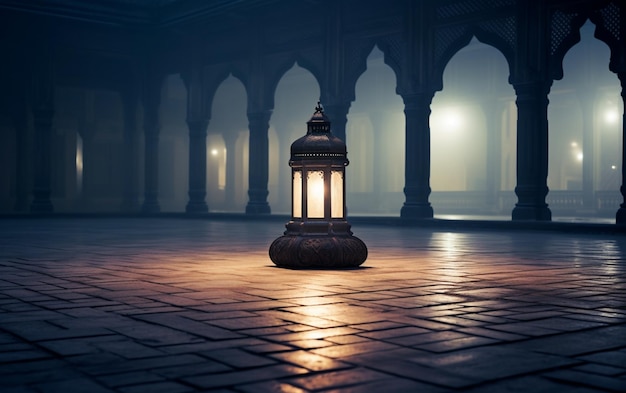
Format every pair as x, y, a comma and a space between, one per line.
297, 194
336, 194
315, 194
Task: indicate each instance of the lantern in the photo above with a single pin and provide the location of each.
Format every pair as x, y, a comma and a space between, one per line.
318, 234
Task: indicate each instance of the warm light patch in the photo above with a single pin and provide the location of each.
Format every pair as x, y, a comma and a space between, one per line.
297, 194
315, 194
336, 194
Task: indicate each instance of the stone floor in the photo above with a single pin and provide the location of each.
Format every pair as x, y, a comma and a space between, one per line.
184, 305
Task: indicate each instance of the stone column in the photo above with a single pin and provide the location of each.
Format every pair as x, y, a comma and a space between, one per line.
258, 162
23, 158
493, 110
130, 172
587, 103
152, 99
230, 140
338, 115
620, 217
417, 161
532, 150
197, 166
380, 167
42, 107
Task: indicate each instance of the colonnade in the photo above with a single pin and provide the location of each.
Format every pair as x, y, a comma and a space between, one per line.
417, 51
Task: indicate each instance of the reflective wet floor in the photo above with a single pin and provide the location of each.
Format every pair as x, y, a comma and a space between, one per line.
188, 305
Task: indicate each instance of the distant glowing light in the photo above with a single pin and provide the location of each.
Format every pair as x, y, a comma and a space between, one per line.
611, 116
447, 119
613, 167
579, 156
214, 152
574, 144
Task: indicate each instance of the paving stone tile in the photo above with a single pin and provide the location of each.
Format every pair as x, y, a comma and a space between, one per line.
459, 321
158, 387
173, 325
310, 361
267, 348
395, 332
311, 344
270, 387
395, 385
611, 358
127, 349
336, 379
578, 343
103, 366
489, 333
244, 376
528, 328
489, 363
314, 334
247, 322
378, 326
599, 369
131, 378
238, 358
529, 384
566, 324
403, 368
339, 351
421, 339
587, 379
458, 343
201, 367
312, 321
75, 385
196, 347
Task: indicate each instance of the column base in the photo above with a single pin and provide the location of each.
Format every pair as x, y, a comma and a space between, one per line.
41, 206
533, 213
196, 207
150, 207
129, 206
258, 208
416, 211
620, 216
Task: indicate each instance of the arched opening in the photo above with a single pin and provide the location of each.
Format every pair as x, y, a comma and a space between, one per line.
473, 134
375, 138
227, 148
585, 138
296, 96
87, 146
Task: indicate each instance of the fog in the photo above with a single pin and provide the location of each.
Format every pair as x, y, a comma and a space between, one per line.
473, 140
473, 137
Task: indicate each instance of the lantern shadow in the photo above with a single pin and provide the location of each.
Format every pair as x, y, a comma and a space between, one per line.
329, 268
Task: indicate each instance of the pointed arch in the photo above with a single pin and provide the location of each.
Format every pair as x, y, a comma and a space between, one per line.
375, 128
462, 40
355, 65
213, 79
227, 145
278, 67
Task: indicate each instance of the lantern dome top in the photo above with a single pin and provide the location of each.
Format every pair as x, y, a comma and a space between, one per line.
319, 143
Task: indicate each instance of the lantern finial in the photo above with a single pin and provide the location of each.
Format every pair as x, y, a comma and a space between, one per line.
318, 108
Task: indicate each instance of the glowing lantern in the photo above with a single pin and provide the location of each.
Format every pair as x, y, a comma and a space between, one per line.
318, 234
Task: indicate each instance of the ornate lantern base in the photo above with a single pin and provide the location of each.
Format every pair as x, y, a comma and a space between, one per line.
303, 247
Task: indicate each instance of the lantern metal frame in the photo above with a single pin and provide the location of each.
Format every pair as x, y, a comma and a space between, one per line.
315, 239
